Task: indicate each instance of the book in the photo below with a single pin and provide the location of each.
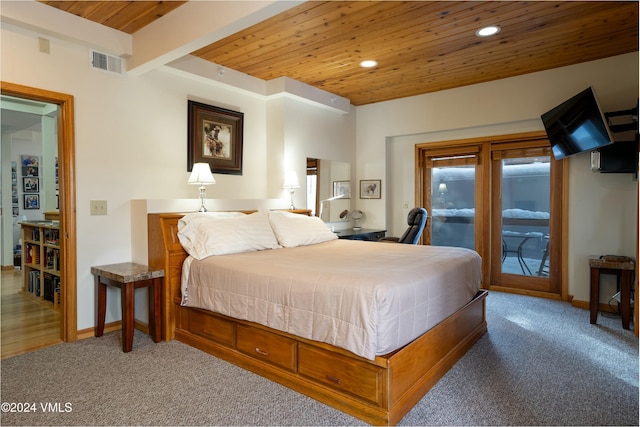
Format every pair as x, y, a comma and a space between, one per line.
28, 254
48, 286
34, 282
52, 261
52, 236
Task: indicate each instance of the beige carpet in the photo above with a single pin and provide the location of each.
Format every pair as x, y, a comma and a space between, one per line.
541, 363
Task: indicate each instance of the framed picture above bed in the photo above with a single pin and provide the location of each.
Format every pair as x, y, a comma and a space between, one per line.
370, 188
215, 137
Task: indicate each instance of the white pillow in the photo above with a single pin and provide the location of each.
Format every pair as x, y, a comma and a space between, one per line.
222, 233
299, 230
188, 224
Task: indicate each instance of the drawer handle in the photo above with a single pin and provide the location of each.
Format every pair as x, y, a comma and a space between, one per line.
333, 379
261, 352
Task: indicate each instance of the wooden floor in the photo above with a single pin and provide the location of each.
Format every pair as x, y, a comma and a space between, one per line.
26, 324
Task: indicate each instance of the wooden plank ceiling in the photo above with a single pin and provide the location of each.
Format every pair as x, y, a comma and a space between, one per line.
126, 16
420, 46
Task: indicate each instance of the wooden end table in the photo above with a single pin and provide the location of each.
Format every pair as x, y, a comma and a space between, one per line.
128, 277
621, 267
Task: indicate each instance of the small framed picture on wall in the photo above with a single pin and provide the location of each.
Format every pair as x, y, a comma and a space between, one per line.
31, 201
342, 189
30, 185
370, 188
30, 171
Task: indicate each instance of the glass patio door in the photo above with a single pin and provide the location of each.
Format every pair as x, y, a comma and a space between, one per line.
525, 215
504, 197
453, 206
522, 206
451, 178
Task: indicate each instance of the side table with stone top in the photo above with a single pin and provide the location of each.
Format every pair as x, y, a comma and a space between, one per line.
620, 266
129, 276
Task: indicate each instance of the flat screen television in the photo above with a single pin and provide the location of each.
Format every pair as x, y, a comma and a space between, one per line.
577, 125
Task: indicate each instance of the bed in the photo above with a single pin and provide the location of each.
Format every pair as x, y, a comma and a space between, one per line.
378, 383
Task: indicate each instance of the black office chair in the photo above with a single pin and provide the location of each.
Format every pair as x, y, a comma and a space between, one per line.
417, 219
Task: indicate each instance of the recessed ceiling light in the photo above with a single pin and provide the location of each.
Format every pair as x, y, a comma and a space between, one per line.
488, 31
368, 63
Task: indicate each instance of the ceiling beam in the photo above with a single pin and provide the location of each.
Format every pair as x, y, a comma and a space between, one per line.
194, 25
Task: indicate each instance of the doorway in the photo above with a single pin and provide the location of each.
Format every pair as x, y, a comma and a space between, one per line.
66, 197
502, 196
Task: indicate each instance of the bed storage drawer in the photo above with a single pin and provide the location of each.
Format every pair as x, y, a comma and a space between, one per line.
339, 372
210, 326
263, 345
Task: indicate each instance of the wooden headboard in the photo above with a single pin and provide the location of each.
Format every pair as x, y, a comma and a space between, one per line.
166, 252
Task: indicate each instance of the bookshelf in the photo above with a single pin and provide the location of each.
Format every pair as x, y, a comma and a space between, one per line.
41, 261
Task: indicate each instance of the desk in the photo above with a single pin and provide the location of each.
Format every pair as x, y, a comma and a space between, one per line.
128, 277
621, 267
362, 234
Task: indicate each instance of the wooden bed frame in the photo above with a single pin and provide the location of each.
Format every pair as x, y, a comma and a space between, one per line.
379, 391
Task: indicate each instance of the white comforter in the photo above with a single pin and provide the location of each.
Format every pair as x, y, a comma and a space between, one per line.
367, 297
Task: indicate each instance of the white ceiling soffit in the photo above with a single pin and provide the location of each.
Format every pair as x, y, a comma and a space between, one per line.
19, 114
206, 71
27, 106
294, 89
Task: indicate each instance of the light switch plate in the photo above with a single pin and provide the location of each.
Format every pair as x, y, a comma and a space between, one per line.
43, 45
98, 207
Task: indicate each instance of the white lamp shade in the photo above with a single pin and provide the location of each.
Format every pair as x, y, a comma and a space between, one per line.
201, 175
291, 180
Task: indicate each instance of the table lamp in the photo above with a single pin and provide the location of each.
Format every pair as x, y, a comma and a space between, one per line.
201, 175
291, 183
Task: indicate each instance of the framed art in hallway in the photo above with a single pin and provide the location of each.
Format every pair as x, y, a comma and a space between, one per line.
30, 184
30, 171
370, 188
31, 201
27, 161
215, 137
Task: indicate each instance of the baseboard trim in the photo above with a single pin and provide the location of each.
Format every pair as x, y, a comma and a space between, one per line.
585, 305
538, 294
110, 327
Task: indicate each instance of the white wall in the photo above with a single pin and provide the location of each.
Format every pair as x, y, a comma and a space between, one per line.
131, 143
602, 207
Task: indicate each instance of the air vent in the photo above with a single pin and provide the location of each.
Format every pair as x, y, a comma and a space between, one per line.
108, 63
